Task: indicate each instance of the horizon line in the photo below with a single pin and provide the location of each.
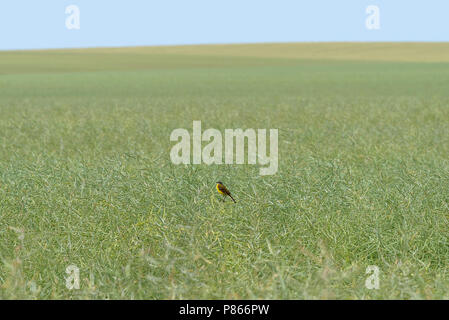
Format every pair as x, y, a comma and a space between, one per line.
218, 44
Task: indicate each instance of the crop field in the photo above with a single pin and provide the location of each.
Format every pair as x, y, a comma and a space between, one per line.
86, 179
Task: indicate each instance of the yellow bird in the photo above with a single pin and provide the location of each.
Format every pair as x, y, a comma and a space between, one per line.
224, 191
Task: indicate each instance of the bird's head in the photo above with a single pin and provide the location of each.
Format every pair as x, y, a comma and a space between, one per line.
219, 182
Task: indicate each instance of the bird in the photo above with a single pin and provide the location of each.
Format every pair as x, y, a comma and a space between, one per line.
224, 191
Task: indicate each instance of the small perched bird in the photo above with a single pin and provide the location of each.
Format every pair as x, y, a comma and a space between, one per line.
224, 191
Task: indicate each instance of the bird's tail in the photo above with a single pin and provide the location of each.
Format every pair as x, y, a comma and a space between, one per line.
232, 199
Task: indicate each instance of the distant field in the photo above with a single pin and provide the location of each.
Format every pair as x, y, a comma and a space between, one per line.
86, 177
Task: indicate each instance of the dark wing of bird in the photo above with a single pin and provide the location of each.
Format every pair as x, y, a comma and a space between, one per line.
224, 189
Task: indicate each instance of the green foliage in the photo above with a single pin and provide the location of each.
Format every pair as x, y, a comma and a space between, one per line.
86, 178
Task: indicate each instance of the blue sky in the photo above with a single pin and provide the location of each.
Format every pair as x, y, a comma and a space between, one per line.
28, 24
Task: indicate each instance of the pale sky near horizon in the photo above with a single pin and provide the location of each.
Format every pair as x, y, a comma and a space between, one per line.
27, 24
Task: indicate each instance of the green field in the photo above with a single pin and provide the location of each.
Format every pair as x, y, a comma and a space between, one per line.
86, 177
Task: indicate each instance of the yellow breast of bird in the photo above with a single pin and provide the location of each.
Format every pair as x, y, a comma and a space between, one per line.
219, 190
